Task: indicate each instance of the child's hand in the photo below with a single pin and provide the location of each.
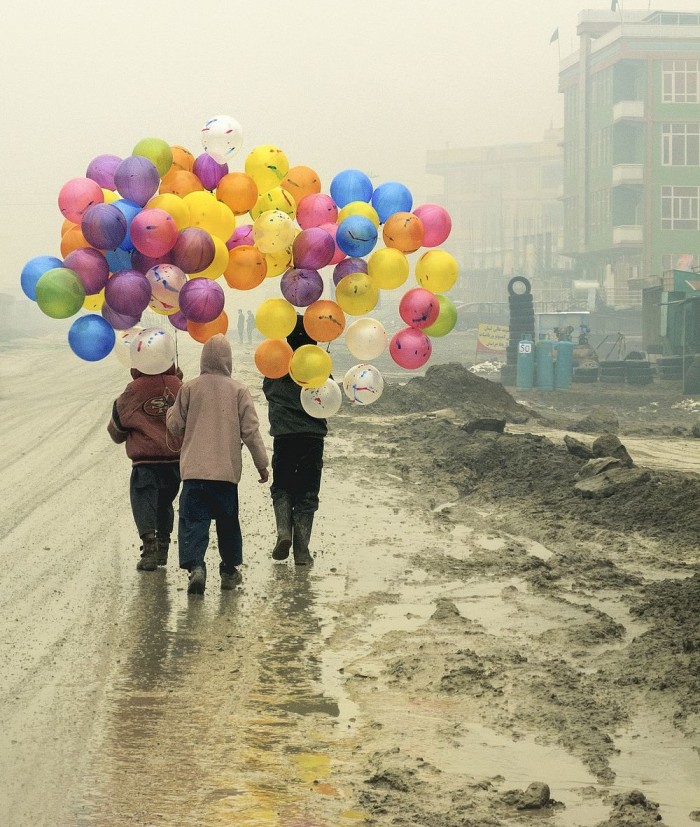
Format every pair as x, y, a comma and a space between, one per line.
264, 475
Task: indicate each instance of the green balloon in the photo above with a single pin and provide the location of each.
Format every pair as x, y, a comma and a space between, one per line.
60, 293
446, 320
158, 153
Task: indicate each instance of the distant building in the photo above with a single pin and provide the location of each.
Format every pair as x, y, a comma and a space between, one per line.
632, 149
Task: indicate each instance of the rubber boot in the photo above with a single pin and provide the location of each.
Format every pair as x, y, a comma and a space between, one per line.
197, 579
149, 554
283, 516
302, 524
163, 544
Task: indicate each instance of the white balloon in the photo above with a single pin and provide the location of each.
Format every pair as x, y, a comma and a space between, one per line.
322, 402
366, 339
152, 351
122, 345
363, 384
222, 137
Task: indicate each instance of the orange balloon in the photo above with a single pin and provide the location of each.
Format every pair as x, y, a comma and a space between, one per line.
73, 239
272, 358
180, 182
246, 267
238, 191
203, 331
182, 159
67, 225
324, 320
300, 182
403, 231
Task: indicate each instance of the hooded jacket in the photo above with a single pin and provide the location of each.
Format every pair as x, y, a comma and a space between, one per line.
213, 414
138, 417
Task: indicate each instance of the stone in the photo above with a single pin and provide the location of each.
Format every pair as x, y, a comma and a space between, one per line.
535, 797
608, 445
600, 420
484, 424
610, 481
597, 466
577, 448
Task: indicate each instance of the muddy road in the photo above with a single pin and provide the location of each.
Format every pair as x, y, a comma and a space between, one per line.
452, 645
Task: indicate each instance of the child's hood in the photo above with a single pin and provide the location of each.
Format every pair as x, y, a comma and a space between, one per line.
216, 356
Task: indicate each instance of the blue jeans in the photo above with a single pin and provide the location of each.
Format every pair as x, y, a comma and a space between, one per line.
202, 501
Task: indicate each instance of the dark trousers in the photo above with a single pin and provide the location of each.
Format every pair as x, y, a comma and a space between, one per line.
202, 501
153, 488
297, 464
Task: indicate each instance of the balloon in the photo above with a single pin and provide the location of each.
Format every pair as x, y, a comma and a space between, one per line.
158, 153
272, 358
91, 338
310, 366
33, 270
242, 235
301, 287
238, 191
313, 248
222, 137
437, 224
152, 351
204, 210
410, 348
130, 210
104, 226
388, 268
180, 182
209, 171
122, 344
363, 384
201, 300
359, 208
91, 266
174, 205
322, 402
202, 332
59, 293
166, 280
274, 199
77, 195
357, 294
403, 231
419, 308
141, 262
245, 268
273, 231
193, 250
446, 320
391, 197
332, 230
301, 181
153, 232
356, 236
178, 321
119, 321
324, 320
137, 179
267, 165
436, 271
366, 339
73, 239
219, 263
93, 302
347, 266
278, 263
275, 318
183, 159
128, 292
350, 185
101, 170
314, 210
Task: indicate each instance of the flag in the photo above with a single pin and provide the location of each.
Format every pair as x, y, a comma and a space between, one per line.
613, 5
555, 35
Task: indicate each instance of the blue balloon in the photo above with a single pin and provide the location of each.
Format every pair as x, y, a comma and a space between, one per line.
390, 198
351, 185
129, 209
33, 270
91, 337
356, 236
118, 260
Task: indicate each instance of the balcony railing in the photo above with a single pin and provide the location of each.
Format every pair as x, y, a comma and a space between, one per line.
627, 175
628, 110
627, 235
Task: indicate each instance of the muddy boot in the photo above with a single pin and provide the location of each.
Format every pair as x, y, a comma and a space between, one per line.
149, 554
283, 516
197, 580
302, 523
162, 544
229, 580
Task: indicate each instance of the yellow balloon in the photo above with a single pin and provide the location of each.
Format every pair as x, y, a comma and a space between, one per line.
357, 294
278, 263
267, 165
275, 199
204, 210
436, 271
276, 318
226, 223
174, 206
219, 263
110, 196
359, 208
388, 268
95, 301
310, 366
273, 231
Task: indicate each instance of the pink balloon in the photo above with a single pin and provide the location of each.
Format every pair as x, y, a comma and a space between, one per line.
419, 308
410, 348
313, 249
241, 235
315, 210
91, 266
437, 223
338, 255
153, 232
194, 250
76, 196
201, 300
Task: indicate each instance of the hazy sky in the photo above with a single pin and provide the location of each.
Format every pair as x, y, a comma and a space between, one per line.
370, 84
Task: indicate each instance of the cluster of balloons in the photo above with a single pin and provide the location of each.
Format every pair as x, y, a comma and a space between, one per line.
160, 228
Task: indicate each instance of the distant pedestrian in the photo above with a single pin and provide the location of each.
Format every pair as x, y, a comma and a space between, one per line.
241, 325
214, 415
250, 321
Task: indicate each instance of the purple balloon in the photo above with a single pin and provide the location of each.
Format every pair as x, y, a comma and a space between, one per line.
209, 171
194, 250
136, 178
144, 263
302, 287
119, 321
201, 300
178, 321
91, 266
104, 226
102, 169
346, 266
128, 292
241, 235
312, 249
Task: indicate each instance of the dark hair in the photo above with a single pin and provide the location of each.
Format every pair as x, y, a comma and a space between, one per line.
299, 336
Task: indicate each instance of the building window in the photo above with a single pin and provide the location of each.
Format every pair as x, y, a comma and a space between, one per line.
679, 261
681, 81
680, 208
680, 144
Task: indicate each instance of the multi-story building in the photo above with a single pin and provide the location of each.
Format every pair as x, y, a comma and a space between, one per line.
632, 148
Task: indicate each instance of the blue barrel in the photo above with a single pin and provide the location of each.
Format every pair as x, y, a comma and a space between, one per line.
525, 371
544, 365
563, 365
